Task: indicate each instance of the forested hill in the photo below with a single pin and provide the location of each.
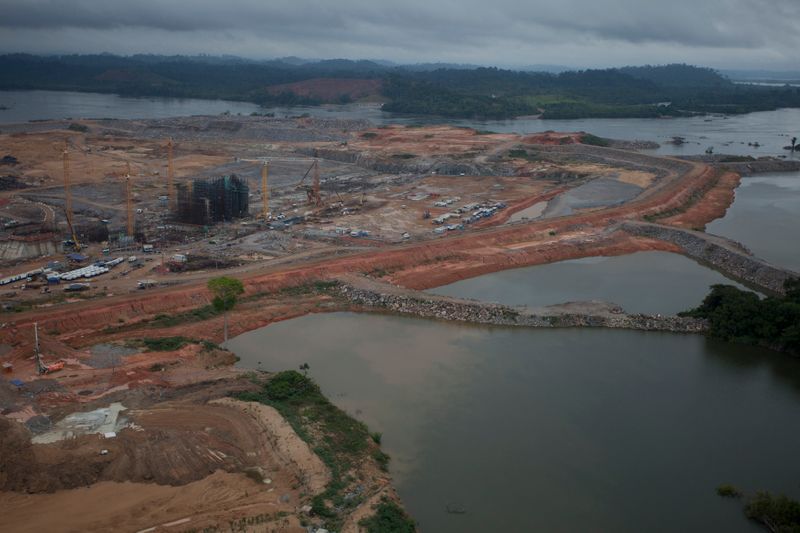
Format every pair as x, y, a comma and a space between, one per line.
453, 91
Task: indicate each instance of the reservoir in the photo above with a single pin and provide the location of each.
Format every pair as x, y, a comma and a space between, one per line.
554, 430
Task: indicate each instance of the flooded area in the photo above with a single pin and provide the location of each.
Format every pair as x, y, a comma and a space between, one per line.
600, 192
553, 430
765, 217
644, 282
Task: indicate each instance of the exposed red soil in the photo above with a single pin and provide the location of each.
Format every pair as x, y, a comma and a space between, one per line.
493, 246
554, 138
330, 89
714, 204
507, 213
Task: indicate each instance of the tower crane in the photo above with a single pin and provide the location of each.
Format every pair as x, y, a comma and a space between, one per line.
170, 177
129, 200
312, 191
68, 198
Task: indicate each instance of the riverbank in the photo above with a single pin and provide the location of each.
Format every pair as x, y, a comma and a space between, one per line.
729, 257
369, 295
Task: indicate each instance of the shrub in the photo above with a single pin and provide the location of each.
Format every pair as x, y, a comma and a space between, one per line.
165, 344
778, 512
727, 490
388, 518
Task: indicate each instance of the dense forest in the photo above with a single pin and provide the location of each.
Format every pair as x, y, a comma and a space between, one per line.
451, 91
741, 316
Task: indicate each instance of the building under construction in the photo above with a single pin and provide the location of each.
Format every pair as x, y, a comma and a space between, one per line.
205, 202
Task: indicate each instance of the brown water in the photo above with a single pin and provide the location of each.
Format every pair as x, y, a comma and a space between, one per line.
765, 216
644, 282
554, 430
731, 135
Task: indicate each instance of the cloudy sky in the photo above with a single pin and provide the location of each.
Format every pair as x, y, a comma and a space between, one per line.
761, 34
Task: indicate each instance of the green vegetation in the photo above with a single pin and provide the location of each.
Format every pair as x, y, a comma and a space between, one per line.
778, 513
649, 91
78, 127
166, 344
727, 490
195, 315
369, 135
226, 291
594, 140
339, 440
388, 518
741, 316
519, 153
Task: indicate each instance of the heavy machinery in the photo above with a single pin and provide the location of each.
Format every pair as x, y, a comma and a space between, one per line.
41, 367
312, 191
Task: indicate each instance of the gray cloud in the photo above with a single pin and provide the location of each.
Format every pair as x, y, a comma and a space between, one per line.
727, 33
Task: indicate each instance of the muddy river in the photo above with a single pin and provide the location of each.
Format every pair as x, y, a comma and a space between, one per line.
765, 216
570, 430
770, 129
644, 282
560, 430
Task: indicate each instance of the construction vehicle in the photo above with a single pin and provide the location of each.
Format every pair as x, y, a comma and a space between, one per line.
42, 367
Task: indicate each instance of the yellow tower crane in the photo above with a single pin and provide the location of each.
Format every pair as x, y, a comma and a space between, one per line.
68, 198
170, 176
129, 200
264, 191
312, 191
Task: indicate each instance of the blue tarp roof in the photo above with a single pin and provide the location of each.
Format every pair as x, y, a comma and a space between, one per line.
17, 382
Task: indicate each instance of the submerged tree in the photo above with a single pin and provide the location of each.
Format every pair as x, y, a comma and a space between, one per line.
226, 291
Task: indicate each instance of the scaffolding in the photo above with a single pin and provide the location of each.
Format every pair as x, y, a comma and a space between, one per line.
206, 202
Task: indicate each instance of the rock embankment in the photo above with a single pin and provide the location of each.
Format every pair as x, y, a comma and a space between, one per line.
380, 296
747, 166
729, 257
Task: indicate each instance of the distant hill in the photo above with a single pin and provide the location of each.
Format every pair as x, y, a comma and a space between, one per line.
678, 75
342, 90
428, 89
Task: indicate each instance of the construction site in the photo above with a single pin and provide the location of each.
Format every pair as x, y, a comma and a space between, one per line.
109, 236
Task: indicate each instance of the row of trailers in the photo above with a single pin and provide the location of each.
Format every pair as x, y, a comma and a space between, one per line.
90, 271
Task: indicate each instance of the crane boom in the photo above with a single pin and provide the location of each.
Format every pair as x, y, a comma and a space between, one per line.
264, 191
170, 176
128, 201
313, 191
68, 198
